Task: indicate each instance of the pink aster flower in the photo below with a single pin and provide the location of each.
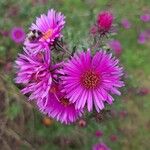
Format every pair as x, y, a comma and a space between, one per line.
142, 37
100, 146
113, 138
145, 17
4, 33
57, 105
35, 72
143, 91
115, 45
47, 29
125, 23
99, 133
104, 21
17, 34
89, 80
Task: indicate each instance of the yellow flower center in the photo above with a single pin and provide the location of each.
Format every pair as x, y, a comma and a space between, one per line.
47, 34
64, 101
90, 79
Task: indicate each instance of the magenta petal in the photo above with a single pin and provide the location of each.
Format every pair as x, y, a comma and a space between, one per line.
58, 107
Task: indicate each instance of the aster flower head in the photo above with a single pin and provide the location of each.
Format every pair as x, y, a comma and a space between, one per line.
104, 21
17, 34
126, 23
142, 38
115, 45
89, 80
99, 133
113, 138
100, 146
4, 33
35, 72
58, 106
145, 17
45, 31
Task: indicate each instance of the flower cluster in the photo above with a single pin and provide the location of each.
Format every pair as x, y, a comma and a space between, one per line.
64, 88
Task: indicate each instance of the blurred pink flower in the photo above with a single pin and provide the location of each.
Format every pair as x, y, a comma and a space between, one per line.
125, 23
17, 34
115, 45
145, 17
100, 146
104, 21
142, 37
98, 133
143, 91
4, 33
123, 114
113, 138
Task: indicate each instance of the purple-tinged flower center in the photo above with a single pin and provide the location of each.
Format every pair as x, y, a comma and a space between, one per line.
64, 101
90, 79
18, 34
47, 34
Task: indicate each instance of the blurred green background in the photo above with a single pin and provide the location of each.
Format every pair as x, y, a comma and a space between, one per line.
22, 127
